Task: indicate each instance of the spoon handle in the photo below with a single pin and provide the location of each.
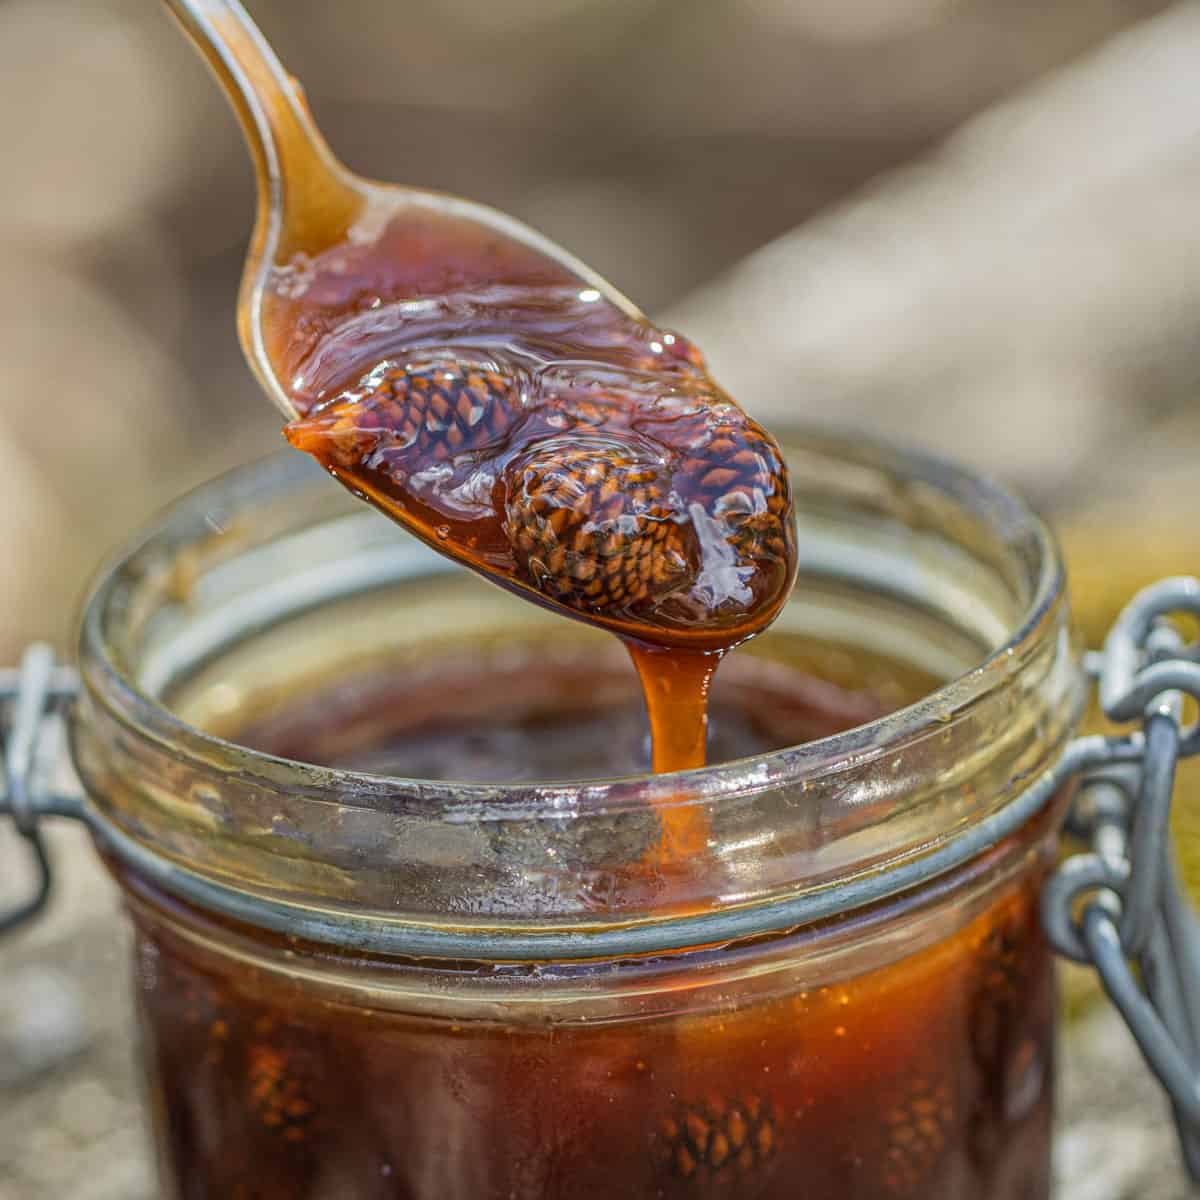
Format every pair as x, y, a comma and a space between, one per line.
303, 190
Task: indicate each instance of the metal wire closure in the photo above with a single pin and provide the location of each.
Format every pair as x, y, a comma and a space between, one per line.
1120, 907
30, 699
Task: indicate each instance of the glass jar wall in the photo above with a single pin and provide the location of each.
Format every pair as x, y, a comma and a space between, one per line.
382, 831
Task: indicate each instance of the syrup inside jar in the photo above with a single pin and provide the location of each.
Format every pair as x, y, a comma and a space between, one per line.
514, 417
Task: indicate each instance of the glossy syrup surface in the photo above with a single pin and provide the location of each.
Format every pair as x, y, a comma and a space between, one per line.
520, 421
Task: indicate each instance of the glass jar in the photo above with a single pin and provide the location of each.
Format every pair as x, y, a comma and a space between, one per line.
353, 985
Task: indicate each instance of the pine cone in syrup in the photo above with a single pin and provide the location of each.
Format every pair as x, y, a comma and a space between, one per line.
591, 524
917, 1129
733, 468
996, 996
277, 1095
1010, 1065
718, 1138
420, 413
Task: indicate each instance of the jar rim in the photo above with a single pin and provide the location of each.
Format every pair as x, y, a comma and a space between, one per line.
1004, 514
534, 871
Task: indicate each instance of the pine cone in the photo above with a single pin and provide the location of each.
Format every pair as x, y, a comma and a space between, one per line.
423, 413
277, 1095
590, 523
999, 1038
718, 1139
992, 1006
734, 469
917, 1129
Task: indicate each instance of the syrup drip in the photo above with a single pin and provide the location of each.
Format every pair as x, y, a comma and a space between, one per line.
517, 420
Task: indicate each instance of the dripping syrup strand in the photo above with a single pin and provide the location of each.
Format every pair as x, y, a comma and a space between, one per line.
675, 688
675, 684
405, 443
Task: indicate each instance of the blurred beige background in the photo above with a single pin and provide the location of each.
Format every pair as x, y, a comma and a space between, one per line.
996, 252
967, 224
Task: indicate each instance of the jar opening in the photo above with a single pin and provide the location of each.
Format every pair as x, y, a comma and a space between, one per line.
270, 583
141, 644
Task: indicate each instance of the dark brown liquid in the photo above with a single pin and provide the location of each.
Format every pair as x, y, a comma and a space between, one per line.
927, 1076
434, 715
497, 405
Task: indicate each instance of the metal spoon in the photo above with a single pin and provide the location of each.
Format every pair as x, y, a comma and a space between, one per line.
308, 202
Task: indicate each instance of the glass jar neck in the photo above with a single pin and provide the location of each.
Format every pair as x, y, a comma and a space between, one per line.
270, 576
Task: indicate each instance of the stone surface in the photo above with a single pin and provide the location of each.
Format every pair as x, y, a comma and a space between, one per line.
43, 1025
72, 1126
1116, 1140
